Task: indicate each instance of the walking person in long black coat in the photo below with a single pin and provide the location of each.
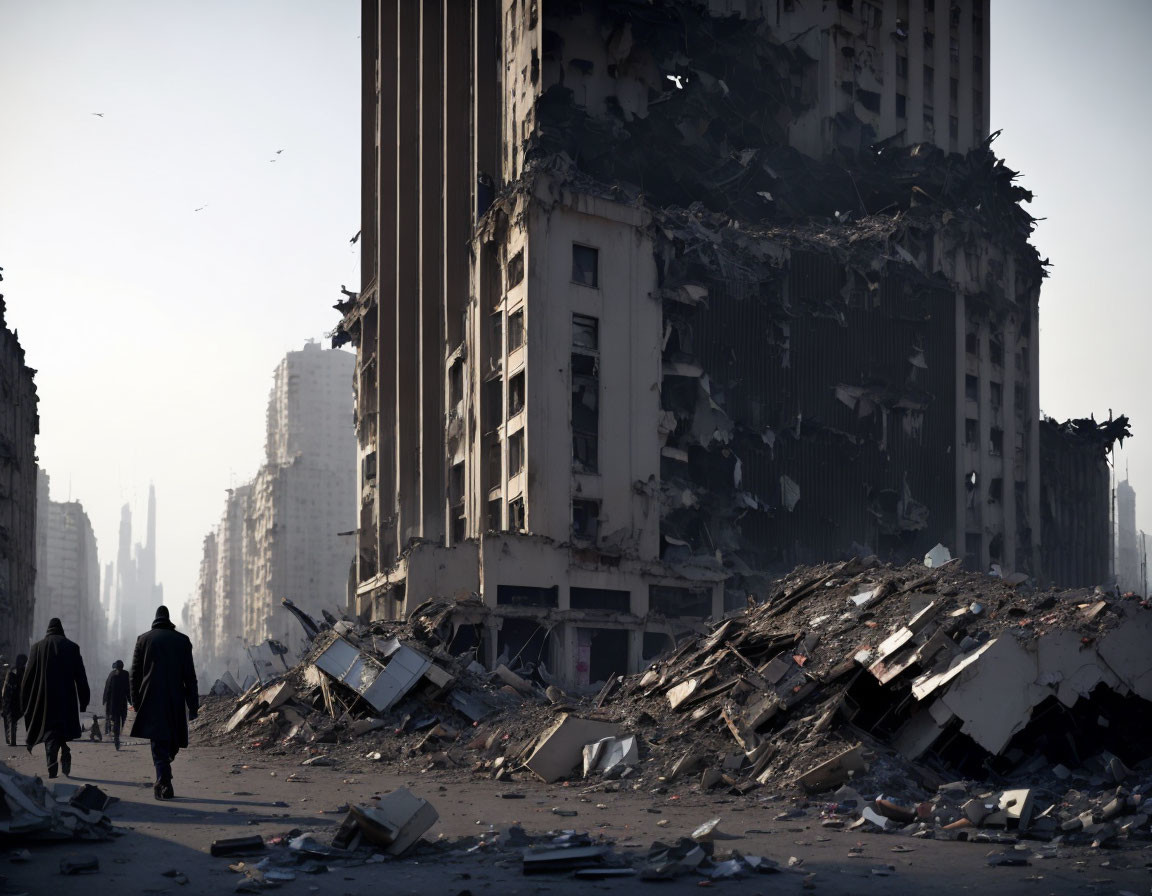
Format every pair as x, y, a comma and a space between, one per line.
163, 688
10, 699
116, 690
53, 694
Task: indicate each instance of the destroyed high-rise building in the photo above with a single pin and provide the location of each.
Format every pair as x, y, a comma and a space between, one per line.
19, 425
658, 297
285, 533
1075, 497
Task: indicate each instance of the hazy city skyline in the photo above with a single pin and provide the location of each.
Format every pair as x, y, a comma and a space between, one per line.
180, 185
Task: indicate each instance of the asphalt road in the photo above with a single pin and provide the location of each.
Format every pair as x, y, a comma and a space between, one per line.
222, 793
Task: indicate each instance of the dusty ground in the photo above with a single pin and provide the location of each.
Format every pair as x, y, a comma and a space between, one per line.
223, 793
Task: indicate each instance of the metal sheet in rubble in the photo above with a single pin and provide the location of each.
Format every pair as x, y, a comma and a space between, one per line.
381, 686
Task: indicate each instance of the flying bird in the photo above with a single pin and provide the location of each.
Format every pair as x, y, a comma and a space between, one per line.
279, 151
98, 114
200, 209
271, 160
353, 240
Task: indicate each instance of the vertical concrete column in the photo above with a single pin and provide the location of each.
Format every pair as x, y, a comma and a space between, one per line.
487, 85
406, 261
964, 80
369, 112
635, 650
387, 141
959, 451
433, 460
1032, 421
456, 213
1014, 433
916, 60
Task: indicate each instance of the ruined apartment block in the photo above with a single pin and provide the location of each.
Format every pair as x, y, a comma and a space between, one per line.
733, 286
285, 534
19, 424
1076, 501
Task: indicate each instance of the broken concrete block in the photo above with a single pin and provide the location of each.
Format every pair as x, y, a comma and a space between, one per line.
277, 695
682, 692
237, 846
937, 557
396, 822
561, 749
685, 764
440, 678
835, 771
514, 681
79, 865
363, 726
1017, 805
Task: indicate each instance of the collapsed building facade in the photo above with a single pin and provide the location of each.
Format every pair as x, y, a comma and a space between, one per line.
730, 287
19, 425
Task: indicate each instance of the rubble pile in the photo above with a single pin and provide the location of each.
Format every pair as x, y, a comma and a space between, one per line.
862, 690
67, 812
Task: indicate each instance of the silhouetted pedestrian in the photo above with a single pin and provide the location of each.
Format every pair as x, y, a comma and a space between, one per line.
94, 732
54, 686
163, 687
10, 699
116, 690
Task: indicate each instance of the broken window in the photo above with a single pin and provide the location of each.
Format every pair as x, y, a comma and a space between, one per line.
515, 453
585, 519
601, 653
929, 39
455, 384
585, 265
585, 332
996, 547
515, 330
929, 83
971, 432
902, 66
997, 395
872, 15
456, 484
600, 599
370, 466
493, 403
869, 99
996, 441
496, 344
585, 392
901, 106
971, 388
972, 344
534, 67
516, 394
953, 127
673, 601
495, 479
996, 350
973, 547
953, 90
494, 507
515, 269
516, 515
527, 596
996, 489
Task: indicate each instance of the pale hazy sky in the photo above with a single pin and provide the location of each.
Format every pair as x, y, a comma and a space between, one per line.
155, 327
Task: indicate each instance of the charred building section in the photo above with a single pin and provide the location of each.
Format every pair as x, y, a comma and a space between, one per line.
1075, 499
719, 295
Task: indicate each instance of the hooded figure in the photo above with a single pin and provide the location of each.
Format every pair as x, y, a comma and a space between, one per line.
10, 699
53, 694
116, 700
165, 694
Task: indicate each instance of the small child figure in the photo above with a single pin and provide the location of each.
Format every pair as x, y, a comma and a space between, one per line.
94, 732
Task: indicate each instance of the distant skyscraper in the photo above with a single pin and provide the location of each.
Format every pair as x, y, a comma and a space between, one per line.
137, 594
1127, 553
